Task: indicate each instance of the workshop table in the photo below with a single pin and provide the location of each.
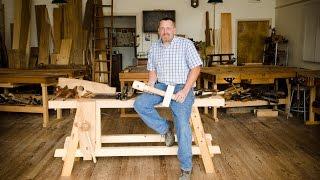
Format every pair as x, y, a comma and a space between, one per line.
254, 74
257, 74
7, 80
74, 73
10, 78
126, 78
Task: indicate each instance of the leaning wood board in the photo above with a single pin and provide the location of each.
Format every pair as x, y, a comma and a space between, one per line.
44, 39
64, 56
226, 33
250, 42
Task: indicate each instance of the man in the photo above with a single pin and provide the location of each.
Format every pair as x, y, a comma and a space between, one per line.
174, 61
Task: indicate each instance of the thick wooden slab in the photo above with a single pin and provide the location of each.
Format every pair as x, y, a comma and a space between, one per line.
215, 101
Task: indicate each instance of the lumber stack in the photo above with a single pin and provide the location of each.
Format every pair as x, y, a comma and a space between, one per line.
72, 29
61, 40
19, 56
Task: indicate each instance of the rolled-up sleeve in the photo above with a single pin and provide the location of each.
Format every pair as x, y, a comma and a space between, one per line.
151, 61
193, 58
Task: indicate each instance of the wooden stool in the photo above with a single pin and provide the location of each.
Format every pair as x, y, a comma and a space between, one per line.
298, 91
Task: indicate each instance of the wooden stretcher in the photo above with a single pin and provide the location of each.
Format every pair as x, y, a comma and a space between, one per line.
86, 133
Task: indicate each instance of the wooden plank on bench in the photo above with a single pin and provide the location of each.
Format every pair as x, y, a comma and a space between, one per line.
214, 101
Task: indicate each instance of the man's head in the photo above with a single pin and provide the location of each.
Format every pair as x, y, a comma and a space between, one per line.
166, 29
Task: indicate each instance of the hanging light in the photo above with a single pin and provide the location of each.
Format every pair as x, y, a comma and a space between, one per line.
59, 2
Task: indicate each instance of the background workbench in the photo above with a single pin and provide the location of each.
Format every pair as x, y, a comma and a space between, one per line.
127, 77
257, 74
10, 78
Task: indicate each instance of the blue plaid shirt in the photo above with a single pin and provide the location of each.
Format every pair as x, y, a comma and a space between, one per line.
173, 63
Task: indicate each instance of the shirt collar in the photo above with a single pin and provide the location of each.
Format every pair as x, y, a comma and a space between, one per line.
172, 42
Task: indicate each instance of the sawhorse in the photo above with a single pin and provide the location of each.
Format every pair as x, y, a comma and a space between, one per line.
86, 132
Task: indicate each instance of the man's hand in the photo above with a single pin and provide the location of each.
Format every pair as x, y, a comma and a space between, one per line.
150, 83
152, 78
181, 95
192, 78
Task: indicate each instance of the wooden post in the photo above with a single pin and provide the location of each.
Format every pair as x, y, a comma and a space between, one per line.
215, 109
287, 111
311, 120
45, 105
59, 113
200, 138
72, 147
123, 111
83, 134
206, 86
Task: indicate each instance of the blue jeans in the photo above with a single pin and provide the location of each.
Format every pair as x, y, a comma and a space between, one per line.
144, 106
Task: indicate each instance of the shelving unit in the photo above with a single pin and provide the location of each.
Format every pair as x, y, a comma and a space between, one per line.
124, 37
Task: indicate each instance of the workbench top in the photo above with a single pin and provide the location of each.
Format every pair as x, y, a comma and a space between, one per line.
214, 101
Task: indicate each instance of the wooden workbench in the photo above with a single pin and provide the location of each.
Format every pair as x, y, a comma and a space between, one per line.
254, 74
43, 80
74, 73
126, 78
10, 78
257, 74
91, 139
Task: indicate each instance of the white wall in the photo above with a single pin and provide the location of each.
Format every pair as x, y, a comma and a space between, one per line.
190, 21
290, 23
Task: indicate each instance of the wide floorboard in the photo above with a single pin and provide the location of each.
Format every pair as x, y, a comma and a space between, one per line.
252, 148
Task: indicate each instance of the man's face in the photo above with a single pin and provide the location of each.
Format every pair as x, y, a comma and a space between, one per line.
166, 31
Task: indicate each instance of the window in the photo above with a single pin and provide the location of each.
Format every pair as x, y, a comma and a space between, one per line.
311, 41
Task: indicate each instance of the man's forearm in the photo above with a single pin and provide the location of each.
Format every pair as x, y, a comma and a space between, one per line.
152, 78
192, 78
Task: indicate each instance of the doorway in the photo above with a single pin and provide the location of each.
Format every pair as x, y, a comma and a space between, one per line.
123, 38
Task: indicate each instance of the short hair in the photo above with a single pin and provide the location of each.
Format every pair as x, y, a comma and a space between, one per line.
167, 19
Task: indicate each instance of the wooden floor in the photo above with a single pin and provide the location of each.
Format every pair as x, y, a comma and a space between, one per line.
251, 148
